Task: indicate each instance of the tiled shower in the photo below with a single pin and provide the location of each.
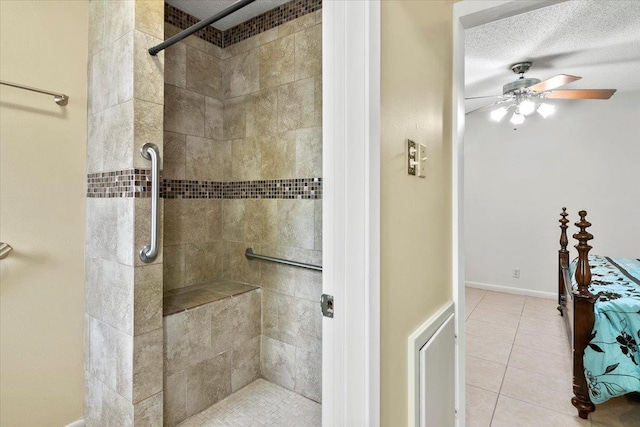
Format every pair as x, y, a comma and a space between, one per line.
237, 118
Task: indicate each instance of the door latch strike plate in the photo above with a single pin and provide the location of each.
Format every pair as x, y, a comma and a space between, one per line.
326, 302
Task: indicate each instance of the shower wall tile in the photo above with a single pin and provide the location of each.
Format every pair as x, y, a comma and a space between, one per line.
234, 118
175, 398
96, 26
237, 267
252, 42
174, 162
318, 225
183, 111
102, 223
147, 298
245, 364
173, 267
308, 56
118, 127
147, 118
96, 142
297, 25
203, 73
309, 374
119, 19
149, 18
208, 382
308, 320
278, 155
203, 262
278, 362
297, 105
175, 69
206, 159
187, 339
235, 321
262, 114
148, 413
93, 288
276, 62
118, 301
261, 221
241, 74
246, 159
296, 223
213, 126
148, 70
233, 220
308, 152
147, 365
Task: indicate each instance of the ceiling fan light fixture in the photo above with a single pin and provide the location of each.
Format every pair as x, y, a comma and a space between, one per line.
498, 114
545, 110
517, 119
526, 107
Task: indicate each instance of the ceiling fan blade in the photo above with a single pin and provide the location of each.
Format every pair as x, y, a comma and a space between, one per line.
485, 106
489, 96
554, 82
581, 94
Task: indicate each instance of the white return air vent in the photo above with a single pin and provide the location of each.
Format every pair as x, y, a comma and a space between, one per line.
432, 379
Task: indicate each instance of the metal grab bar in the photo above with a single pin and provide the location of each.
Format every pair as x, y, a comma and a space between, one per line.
59, 98
150, 152
251, 255
200, 25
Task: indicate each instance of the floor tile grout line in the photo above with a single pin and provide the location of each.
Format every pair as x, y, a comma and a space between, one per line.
505, 370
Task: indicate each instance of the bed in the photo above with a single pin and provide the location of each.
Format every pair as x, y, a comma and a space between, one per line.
599, 297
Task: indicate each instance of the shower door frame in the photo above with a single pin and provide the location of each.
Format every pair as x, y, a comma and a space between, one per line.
351, 210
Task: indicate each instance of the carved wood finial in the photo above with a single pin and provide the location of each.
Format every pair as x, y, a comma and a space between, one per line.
583, 270
564, 241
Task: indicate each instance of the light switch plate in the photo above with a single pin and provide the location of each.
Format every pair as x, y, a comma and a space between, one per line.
412, 153
422, 160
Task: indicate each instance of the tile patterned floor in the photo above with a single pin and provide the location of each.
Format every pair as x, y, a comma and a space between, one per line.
261, 403
519, 368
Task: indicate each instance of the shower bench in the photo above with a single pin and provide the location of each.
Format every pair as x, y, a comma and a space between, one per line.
211, 345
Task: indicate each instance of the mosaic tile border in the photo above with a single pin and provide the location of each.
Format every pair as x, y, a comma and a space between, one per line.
123, 183
137, 183
270, 19
182, 20
254, 26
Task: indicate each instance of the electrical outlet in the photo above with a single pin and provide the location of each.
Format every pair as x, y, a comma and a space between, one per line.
516, 273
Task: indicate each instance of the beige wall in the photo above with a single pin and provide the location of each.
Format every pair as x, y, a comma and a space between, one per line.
42, 185
416, 70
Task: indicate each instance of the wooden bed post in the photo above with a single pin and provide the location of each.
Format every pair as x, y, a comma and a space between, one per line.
583, 318
563, 259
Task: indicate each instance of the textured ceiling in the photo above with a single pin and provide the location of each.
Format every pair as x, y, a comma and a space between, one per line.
203, 9
598, 40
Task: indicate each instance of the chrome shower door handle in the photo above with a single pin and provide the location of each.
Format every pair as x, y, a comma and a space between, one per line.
150, 152
5, 248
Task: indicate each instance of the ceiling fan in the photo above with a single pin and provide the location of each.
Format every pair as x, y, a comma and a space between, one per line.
526, 95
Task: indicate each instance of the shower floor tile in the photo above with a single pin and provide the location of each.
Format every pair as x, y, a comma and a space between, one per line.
261, 403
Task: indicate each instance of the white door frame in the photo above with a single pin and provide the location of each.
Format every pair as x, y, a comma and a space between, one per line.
468, 14
351, 209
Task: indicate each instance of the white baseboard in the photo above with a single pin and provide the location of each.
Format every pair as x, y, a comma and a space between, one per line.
510, 290
79, 423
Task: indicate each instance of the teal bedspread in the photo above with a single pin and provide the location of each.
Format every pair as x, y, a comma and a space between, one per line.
612, 357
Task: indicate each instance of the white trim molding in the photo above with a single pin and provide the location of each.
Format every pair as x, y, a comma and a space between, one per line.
416, 341
512, 290
351, 207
